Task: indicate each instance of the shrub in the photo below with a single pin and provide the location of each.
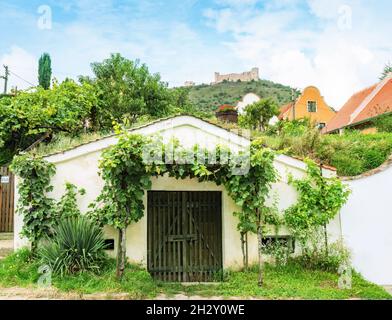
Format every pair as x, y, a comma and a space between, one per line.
278, 250
77, 245
316, 256
384, 124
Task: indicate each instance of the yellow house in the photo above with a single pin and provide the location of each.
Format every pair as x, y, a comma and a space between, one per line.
310, 104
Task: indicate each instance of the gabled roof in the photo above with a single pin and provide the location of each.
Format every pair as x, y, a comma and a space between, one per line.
154, 127
158, 126
288, 107
364, 105
284, 109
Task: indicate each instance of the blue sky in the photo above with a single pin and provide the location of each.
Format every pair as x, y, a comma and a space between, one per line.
338, 45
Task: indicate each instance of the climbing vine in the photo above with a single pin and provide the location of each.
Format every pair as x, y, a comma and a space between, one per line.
67, 207
121, 200
319, 200
34, 204
128, 166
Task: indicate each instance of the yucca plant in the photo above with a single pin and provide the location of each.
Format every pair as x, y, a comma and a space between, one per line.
77, 245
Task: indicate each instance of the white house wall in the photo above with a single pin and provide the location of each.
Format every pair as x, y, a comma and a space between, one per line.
81, 169
367, 226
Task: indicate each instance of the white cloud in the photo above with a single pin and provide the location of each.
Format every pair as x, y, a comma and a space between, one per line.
290, 43
21, 63
319, 53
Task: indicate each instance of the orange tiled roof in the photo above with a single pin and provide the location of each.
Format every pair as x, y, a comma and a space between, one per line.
284, 109
380, 102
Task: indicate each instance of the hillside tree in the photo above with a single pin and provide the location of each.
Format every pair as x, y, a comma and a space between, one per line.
257, 115
127, 90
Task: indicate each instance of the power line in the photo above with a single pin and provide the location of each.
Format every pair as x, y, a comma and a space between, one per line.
22, 79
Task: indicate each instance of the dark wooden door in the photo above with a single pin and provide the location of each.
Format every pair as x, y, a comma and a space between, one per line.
6, 200
184, 235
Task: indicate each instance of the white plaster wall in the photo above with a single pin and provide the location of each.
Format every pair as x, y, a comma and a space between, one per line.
367, 226
248, 99
251, 98
83, 172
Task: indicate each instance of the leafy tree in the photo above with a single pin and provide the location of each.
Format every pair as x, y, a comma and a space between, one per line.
44, 71
258, 114
128, 90
39, 113
387, 70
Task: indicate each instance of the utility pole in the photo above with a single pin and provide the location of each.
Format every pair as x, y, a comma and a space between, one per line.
293, 101
5, 77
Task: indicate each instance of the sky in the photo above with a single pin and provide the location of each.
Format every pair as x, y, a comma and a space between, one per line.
340, 46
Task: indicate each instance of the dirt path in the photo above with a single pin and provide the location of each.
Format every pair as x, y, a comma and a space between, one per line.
6, 244
16, 293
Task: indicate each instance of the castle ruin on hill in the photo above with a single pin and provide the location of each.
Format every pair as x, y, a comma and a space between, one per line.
244, 76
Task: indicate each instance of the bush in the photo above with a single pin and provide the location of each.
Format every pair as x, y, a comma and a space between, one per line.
337, 256
315, 255
351, 154
278, 250
77, 245
384, 124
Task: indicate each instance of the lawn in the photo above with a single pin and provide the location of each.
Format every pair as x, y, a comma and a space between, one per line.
288, 282
351, 154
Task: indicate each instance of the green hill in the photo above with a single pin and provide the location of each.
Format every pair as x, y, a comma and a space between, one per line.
207, 98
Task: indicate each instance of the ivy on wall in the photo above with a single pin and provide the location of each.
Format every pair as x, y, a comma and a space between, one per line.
34, 205
40, 212
319, 201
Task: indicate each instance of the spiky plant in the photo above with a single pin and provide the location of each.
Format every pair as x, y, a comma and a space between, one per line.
77, 245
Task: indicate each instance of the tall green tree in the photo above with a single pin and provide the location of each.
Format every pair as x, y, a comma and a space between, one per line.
387, 70
44, 71
258, 114
128, 90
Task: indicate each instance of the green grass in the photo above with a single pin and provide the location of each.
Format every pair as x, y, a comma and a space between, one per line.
289, 282
351, 154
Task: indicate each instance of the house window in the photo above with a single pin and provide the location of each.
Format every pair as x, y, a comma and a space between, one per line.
312, 106
284, 241
321, 125
109, 244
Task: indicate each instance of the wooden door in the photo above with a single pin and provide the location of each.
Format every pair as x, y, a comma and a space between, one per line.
6, 200
184, 235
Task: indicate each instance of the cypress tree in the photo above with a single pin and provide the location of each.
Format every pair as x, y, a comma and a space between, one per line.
44, 71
